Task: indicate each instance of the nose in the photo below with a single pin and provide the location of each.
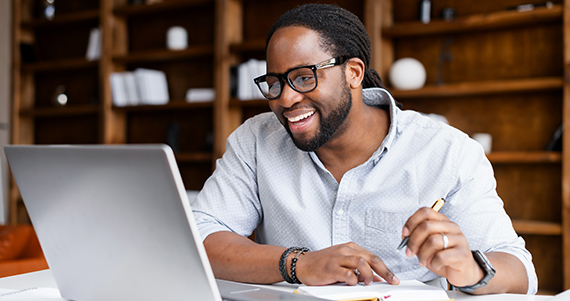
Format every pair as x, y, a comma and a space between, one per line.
289, 97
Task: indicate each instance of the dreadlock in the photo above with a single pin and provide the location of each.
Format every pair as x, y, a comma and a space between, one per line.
340, 32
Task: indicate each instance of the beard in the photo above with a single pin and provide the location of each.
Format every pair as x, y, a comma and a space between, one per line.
328, 125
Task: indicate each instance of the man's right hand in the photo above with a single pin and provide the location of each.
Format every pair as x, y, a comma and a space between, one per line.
349, 263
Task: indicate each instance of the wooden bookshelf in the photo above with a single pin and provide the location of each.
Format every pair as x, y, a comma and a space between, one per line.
488, 83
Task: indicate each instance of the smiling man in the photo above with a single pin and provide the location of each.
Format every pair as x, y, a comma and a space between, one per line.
338, 174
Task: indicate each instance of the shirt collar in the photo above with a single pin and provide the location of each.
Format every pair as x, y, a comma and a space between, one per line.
376, 97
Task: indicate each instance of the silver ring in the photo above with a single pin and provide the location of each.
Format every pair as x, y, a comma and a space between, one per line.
356, 272
445, 241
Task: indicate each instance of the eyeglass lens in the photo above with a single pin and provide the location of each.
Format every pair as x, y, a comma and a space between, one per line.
302, 80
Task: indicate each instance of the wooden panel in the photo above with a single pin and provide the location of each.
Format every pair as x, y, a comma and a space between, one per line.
145, 35
566, 148
547, 255
81, 87
67, 130
522, 122
63, 42
258, 16
194, 174
63, 8
521, 53
530, 191
185, 131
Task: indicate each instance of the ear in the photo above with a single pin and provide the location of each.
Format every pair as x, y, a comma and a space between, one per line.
354, 72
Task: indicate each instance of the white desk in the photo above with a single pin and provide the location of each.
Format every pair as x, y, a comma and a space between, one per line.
45, 279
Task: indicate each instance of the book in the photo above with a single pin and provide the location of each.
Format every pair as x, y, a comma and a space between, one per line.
94, 46
406, 290
118, 89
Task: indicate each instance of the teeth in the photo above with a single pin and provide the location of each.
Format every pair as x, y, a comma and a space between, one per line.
300, 117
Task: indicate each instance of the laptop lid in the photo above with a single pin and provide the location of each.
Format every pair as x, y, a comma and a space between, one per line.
114, 222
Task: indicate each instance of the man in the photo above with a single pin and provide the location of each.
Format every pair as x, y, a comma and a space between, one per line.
344, 174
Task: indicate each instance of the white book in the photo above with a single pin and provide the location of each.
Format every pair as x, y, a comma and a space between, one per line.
118, 89
159, 84
200, 95
132, 92
143, 85
152, 86
256, 68
94, 45
243, 88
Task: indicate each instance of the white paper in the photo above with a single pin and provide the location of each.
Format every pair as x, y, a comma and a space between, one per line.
406, 290
31, 294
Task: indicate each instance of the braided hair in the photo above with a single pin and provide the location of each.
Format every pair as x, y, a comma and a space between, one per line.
340, 32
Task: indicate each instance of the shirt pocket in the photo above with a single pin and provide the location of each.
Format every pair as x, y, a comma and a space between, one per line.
384, 234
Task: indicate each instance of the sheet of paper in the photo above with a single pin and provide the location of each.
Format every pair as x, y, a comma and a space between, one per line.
31, 294
406, 290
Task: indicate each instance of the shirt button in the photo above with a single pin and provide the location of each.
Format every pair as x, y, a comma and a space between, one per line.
340, 212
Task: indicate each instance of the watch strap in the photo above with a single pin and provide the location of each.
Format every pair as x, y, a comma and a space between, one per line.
488, 271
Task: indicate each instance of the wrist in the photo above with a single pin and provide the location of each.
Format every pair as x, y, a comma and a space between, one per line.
485, 273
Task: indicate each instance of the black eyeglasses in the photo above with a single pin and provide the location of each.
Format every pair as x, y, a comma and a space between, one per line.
301, 79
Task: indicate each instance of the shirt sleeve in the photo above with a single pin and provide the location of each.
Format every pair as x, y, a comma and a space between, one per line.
478, 210
228, 201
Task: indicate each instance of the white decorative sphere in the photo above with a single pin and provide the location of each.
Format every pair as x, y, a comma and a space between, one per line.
407, 74
177, 38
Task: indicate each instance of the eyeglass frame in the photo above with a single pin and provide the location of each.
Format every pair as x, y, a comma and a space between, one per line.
335, 61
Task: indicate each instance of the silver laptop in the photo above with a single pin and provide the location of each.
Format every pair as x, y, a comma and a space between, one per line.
115, 223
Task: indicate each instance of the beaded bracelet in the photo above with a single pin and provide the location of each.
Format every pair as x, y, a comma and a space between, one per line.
300, 251
283, 263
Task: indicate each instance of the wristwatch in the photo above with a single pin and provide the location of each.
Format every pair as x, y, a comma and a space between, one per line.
487, 268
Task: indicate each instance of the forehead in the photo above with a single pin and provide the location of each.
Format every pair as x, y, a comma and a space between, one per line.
292, 47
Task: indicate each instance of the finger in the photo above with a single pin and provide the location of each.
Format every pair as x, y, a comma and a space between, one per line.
361, 270
382, 270
420, 237
447, 258
433, 244
420, 216
456, 255
372, 261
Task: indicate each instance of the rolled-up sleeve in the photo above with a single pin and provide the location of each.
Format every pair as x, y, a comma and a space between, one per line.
479, 211
228, 200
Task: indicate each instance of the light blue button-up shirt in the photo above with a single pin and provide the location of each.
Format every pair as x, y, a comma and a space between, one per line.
265, 183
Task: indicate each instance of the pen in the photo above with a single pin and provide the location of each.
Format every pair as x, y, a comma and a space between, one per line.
435, 207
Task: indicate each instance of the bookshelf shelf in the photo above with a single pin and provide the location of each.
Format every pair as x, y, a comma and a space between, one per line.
477, 22
174, 105
482, 88
530, 157
141, 9
65, 19
59, 65
194, 157
537, 227
165, 55
234, 102
61, 111
248, 46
